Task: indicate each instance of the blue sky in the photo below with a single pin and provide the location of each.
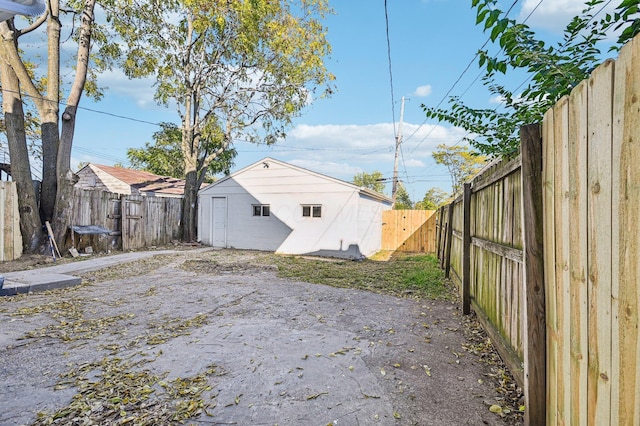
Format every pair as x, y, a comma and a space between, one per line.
431, 44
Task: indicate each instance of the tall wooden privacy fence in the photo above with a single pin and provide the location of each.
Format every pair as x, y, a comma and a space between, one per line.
546, 249
135, 221
10, 239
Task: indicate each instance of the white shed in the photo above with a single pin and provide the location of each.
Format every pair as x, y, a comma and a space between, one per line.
275, 206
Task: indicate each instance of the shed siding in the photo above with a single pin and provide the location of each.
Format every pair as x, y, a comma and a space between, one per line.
370, 225
95, 179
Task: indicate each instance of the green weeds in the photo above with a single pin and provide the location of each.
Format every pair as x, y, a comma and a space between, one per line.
405, 276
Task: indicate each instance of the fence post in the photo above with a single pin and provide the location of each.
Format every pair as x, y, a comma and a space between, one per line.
466, 250
443, 238
535, 349
438, 230
447, 241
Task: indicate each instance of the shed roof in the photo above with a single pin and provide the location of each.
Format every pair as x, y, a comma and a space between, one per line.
265, 161
143, 181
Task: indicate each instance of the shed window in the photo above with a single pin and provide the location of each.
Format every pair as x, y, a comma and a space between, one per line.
261, 210
311, 211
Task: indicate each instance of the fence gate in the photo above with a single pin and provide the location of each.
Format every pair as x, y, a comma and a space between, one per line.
132, 213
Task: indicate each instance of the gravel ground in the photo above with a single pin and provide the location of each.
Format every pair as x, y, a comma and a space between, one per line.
225, 341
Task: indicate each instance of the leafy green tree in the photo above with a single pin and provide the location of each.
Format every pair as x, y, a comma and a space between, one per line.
403, 201
235, 69
432, 200
165, 156
461, 163
553, 71
373, 181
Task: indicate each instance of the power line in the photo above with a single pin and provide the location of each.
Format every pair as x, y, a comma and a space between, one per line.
393, 103
455, 83
565, 44
62, 103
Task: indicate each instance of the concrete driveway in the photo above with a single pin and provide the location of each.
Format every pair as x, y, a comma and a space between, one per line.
236, 344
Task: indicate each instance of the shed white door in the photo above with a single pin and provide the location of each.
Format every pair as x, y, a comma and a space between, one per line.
219, 222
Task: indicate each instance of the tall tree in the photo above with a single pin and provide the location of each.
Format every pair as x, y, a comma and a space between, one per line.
403, 201
233, 68
433, 199
45, 92
460, 161
373, 180
553, 70
165, 156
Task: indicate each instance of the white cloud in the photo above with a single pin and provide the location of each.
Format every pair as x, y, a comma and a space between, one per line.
423, 91
371, 140
329, 168
141, 90
411, 162
554, 15
345, 150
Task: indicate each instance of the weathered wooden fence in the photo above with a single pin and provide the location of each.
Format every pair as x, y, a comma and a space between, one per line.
547, 251
409, 231
484, 225
134, 221
10, 239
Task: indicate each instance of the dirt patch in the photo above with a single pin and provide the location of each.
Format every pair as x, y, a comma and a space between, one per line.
203, 266
219, 337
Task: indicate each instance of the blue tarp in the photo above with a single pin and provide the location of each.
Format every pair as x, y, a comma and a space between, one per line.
89, 229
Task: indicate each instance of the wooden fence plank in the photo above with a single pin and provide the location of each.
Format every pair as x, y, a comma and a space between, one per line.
578, 252
10, 237
600, 223
549, 265
466, 250
563, 230
534, 293
439, 214
625, 378
448, 238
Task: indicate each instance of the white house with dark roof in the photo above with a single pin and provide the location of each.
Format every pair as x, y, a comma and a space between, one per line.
275, 206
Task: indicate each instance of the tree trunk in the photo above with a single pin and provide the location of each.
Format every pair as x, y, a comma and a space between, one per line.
30, 225
49, 113
190, 207
65, 178
49, 130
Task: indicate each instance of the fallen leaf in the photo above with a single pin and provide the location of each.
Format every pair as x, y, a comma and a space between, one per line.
427, 370
316, 395
496, 409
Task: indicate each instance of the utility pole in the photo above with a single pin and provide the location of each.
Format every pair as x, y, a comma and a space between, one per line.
394, 188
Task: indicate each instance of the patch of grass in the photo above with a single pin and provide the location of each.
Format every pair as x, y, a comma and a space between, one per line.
406, 276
